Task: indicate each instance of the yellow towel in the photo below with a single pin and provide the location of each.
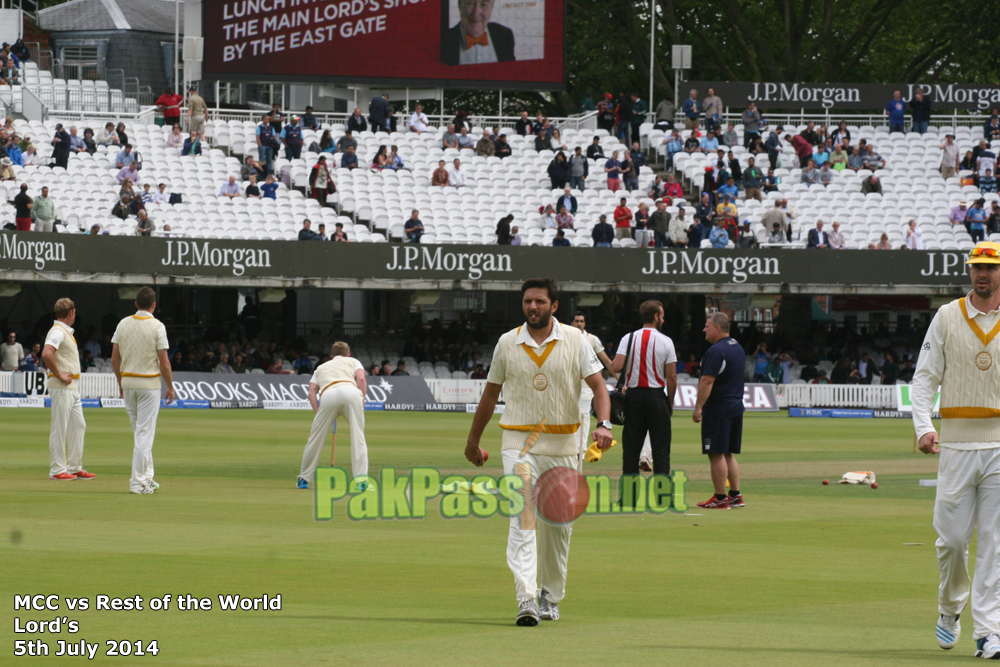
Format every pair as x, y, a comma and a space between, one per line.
594, 453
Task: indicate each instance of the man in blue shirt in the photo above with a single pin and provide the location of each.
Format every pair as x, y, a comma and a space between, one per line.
719, 236
729, 189
692, 111
709, 144
560, 239
761, 359
638, 157
270, 188
265, 148
719, 410
349, 160
896, 111
413, 229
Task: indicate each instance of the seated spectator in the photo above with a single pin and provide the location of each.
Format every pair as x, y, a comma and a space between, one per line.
564, 219
131, 172
771, 182
375, 370
127, 189
308, 120
991, 129
175, 138
542, 142
321, 181
987, 183
523, 125
465, 141
657, 188
855, 161
873, 160
549, 217
914, 239
540, 125
95, 230
871, 184
883, 243
810, 174
147, 196
223, 365
306, 233
450, 138
838, 158
345, 142
456, 175
321, 233
729, 137
719, 236
514, 238
270, 188
125, 157
326, 143
418, 120
339, 235
394, 161
380, 160
485, 146
556, 142
108, 136
836, 238
30, 157
349, 160
691, 144
561, 240
603, 233
818, 238
252, 191
567, 201
825, 176
414, 229
776, 235
745, 238
502, 147
558, 171
594, 150
357, 122
146, 226
161, 196
674, 145
709, 144
192, 145
230, 189
400, 369
76, 144
121, 209
440, 175
729, 189
274, 367
251, 166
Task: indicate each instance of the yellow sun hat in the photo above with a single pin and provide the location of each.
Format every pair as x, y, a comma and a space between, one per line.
985, 252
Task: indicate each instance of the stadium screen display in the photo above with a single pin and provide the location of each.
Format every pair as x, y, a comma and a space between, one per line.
449, 43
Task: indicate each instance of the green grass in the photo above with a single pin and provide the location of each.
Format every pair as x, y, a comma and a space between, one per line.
804, 575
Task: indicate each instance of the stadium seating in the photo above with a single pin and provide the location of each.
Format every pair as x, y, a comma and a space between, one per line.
86, 95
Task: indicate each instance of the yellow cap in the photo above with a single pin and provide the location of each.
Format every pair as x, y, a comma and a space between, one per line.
985, 252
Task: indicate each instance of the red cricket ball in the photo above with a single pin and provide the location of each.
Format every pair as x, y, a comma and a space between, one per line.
561, 495
486, 456
826, 482
874, 485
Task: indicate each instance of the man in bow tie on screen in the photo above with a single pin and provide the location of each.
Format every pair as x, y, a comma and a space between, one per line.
474, 40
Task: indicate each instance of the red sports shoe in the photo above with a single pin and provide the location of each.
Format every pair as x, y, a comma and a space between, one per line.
83, 474
737, 501
63, 477
714, 503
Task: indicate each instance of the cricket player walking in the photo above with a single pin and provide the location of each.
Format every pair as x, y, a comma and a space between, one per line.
539, 366
139, 358
62, 359
337, 388
961, 353
586, 395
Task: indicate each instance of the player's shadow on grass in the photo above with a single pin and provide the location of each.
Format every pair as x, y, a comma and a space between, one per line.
922, 656
434, 621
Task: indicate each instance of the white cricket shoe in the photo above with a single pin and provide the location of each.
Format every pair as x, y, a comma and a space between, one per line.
527, 615
547, 609
948, 630
988, 647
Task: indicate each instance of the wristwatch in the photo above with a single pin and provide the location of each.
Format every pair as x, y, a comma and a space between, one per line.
606, 424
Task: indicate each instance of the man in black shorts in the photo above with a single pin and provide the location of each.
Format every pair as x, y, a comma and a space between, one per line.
719, 410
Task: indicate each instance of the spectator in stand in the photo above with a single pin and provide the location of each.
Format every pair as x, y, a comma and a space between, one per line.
130, 172
456, 175
559, 171
321, 181
873, 160
461, 120
502, 147
146, 226
120, 210
161, 196
514, 238
895, 111
613, 169
567, 201
692, 111
175, 139
809, 172
440, 176
549, 217
414, 229
838, 158
321, 233
147, 196
709, 144
380, 160
666, 111
638, 157
818, 238
987, 183
76, 144
542, 142
729, 137
564, 219
378, 112
630, 173
418, 120
251, 166
108, 136
643, 231
985, 159
523, 125
810, 134
230, 189
735, 169
729, 189
674, 145
914, 239
751, 124
776, 236
659, 224
357, 122
753, 180
719, 237
657, 188
169, 104
745, 238
803, 149
775, 216
88, 141
197, 111
127, 189
991, 129
825, 176
192, 145
60, 147
594, 150
270, 188
349, 160
306, 233
822, 153
485, 146
43, 212
976, 221
672, 188
623, 220
579, 168
345, 142
773, 146
555, 140
561, 240
677, 231
836, 238
949, 157
291, 138
252, 191
727, 211
394, 161
639, 111
920, 113
883, 243
450, 138
265, 143
464, 140
960, 213
503, 230
603, 233
856, 161
308, 120
339, 235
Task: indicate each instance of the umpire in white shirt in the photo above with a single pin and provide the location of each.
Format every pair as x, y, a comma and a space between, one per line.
651, 367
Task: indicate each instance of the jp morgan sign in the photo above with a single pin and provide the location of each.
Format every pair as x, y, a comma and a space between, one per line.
729, 268
842, 96
32, 247
202, 253
433, 258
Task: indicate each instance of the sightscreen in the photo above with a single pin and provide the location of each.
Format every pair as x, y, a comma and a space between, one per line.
451, 43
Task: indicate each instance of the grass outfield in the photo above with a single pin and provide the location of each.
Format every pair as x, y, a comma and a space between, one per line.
804, 575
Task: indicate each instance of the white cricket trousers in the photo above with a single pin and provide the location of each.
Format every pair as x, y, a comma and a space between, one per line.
142, 406
342, 399
538, 558
583, 433
968, 494
66, 432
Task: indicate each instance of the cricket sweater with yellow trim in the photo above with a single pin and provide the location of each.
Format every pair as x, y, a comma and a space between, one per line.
67, 358
970, 386
137, 337
338, 369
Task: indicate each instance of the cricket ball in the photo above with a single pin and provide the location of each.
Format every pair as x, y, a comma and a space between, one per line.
561, 495
826, 482
874, 485
486, 455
